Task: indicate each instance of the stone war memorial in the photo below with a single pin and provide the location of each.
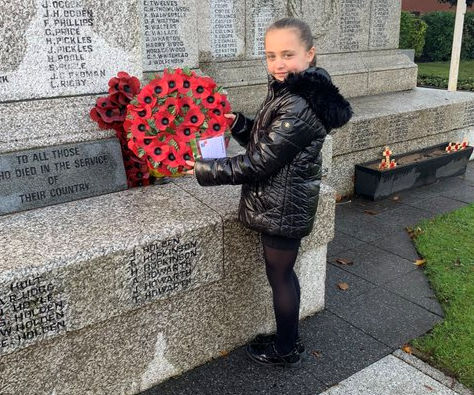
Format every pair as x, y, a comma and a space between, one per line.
105, 289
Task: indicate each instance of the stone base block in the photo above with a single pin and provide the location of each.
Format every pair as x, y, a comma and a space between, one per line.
404, 121
116, 293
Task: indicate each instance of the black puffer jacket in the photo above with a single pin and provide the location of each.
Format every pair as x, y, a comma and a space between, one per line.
281, 168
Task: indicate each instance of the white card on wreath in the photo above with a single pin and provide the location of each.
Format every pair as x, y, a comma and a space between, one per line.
212, 148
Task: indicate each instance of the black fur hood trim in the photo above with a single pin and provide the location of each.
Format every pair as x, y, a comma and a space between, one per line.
315, 86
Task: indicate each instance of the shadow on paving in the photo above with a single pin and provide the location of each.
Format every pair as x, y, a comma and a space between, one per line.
388, 302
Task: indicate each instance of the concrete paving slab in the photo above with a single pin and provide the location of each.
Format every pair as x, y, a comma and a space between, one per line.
439, 376
364, 227
335, 349
415, 287
335, 296
387, 317
399, 243
403, 216
343, 242
374, 264
439, 204
463, 193
389, 376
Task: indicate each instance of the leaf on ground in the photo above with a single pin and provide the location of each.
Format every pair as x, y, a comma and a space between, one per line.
338, 197
343, 286
428, 387
457, 262
406, 348
317, 354
414, 232
370, 212
343, 261
396, 198
224, 353
420, 262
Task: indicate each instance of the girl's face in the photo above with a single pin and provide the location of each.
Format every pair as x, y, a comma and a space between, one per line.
286, 53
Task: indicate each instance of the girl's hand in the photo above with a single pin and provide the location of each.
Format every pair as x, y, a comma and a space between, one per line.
190, 163
230, 116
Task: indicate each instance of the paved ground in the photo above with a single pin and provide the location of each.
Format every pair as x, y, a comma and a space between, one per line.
351, 346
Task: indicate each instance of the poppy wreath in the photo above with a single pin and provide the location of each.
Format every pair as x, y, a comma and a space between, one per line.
110, 112
170, 114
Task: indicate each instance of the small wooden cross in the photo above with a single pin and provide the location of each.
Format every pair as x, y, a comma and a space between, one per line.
464, 144
393, 164
387, 154
449, 148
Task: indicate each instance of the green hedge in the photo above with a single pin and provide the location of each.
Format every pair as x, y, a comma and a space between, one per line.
442, 83
439, 36
412, 33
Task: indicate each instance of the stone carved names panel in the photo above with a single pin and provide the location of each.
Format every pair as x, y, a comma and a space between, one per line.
169, 34
63, 55
223, 22
351, 26
261, 13
56, 174
162, 268
385, 24
31, 308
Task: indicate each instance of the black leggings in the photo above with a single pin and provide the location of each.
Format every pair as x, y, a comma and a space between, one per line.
280, 255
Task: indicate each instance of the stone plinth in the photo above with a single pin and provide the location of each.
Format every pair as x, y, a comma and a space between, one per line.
404, 121
116, 293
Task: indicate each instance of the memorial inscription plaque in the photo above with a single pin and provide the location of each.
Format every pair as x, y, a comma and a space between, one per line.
31, 308
57, 174
169, 34
162, 268
56, 50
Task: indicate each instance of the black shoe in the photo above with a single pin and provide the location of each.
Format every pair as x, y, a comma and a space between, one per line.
268, 356
263, 340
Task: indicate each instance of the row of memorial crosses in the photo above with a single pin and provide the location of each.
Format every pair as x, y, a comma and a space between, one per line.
453, 147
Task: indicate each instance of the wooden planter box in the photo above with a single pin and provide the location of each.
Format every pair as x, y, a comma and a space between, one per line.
377, 184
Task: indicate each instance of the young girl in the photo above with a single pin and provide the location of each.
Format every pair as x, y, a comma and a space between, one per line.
280, 172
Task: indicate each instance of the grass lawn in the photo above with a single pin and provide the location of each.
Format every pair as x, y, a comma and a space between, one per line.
441, 69
447, 244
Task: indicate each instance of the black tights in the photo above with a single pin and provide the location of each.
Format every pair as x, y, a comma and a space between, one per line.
279, 265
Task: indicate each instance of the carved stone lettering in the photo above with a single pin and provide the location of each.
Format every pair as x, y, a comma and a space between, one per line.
56, 174
223, 32
169, 34
162, 268
31, 308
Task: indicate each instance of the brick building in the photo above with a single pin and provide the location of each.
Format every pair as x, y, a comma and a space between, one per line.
422, 6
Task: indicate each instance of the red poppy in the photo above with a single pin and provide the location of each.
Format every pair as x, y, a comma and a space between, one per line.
139, 127
97, 118
143, 112
185, 84
173, 158
186, 154
110, 115
159, 87
194, 117
163, 170
211, 101
201, 88
146, 97
185, 132
163, 119
225, 104
184, 104
170, 103
157, 150
173, 80
216, 126
133, 147
125, 84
